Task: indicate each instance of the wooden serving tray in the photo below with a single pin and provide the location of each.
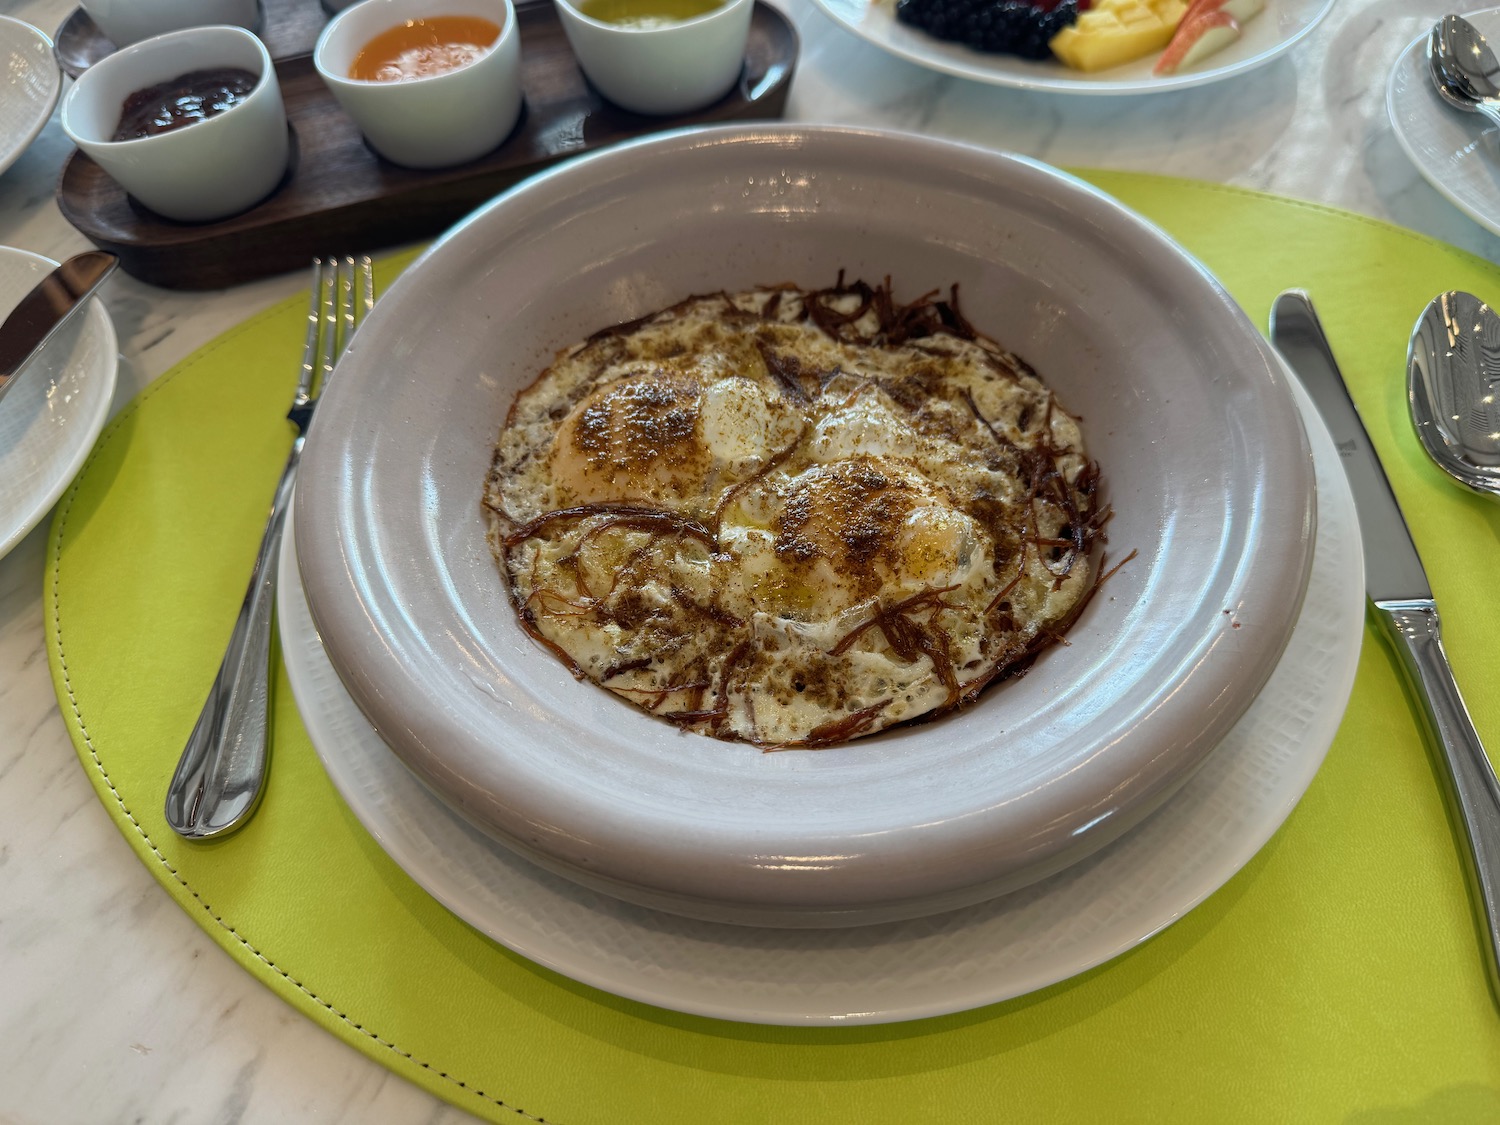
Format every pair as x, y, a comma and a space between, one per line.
339, 197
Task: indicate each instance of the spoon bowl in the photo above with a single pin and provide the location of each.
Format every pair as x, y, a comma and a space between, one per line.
1453, 388
1463, 67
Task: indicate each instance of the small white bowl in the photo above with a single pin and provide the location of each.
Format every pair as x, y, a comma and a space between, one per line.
434, 122
201, 172
129, 21
671, 68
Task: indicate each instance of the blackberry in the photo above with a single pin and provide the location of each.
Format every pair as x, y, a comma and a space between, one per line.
1001, 27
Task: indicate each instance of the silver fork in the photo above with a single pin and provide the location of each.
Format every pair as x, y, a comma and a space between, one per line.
218, 782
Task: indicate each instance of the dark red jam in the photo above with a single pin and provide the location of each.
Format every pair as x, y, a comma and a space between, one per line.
184, 100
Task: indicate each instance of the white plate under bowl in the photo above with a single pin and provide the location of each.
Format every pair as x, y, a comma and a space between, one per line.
1457, 153
1079, 918
1278, 27
30, 83
1204, 458
49, 420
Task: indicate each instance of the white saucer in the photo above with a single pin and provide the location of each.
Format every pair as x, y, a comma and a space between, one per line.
1457, 153
48, 422
1266, 37
1047, 932
30, 83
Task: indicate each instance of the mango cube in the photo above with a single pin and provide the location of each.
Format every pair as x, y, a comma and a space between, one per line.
1113, 32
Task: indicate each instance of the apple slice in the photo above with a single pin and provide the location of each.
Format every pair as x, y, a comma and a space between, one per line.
1241, 10
1197, 37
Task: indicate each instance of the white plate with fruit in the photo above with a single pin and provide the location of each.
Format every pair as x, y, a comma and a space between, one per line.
1111, 47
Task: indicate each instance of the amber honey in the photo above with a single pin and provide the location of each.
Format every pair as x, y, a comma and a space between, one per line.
420, 48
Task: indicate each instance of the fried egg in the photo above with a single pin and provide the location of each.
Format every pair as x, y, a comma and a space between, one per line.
794, 517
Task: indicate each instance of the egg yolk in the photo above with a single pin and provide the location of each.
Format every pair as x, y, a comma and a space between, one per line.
673, 436
635, 439
837, 535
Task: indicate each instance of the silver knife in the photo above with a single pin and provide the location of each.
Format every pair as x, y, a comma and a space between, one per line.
1402, 603
47, 308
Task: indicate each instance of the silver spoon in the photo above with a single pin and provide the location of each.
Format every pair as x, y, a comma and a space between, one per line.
1463, 67
1453, 388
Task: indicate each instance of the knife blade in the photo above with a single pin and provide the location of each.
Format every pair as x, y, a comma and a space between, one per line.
49, 305
1402, 603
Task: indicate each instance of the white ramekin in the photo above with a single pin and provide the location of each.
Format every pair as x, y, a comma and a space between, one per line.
445, 119
197, 173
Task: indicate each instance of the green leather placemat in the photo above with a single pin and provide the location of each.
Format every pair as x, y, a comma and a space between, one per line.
1338, 977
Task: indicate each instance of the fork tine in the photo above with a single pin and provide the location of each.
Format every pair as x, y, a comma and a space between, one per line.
346, 305
366, 287
328, 340
357, 287
354, 287
310, 349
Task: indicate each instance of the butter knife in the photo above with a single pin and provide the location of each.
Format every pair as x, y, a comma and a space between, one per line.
49, 305
1401, 601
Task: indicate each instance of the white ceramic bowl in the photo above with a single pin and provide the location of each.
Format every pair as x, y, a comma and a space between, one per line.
30, 83
49, 420
433, 122
672, 68
129, 21
197, 173
1204, 462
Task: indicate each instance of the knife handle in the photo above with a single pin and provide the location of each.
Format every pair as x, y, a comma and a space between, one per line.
1417, 636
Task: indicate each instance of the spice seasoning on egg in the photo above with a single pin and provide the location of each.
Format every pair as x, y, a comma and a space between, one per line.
185, 100
795, 517
421, 48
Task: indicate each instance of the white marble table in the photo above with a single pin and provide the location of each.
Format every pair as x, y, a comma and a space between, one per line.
114, 1005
